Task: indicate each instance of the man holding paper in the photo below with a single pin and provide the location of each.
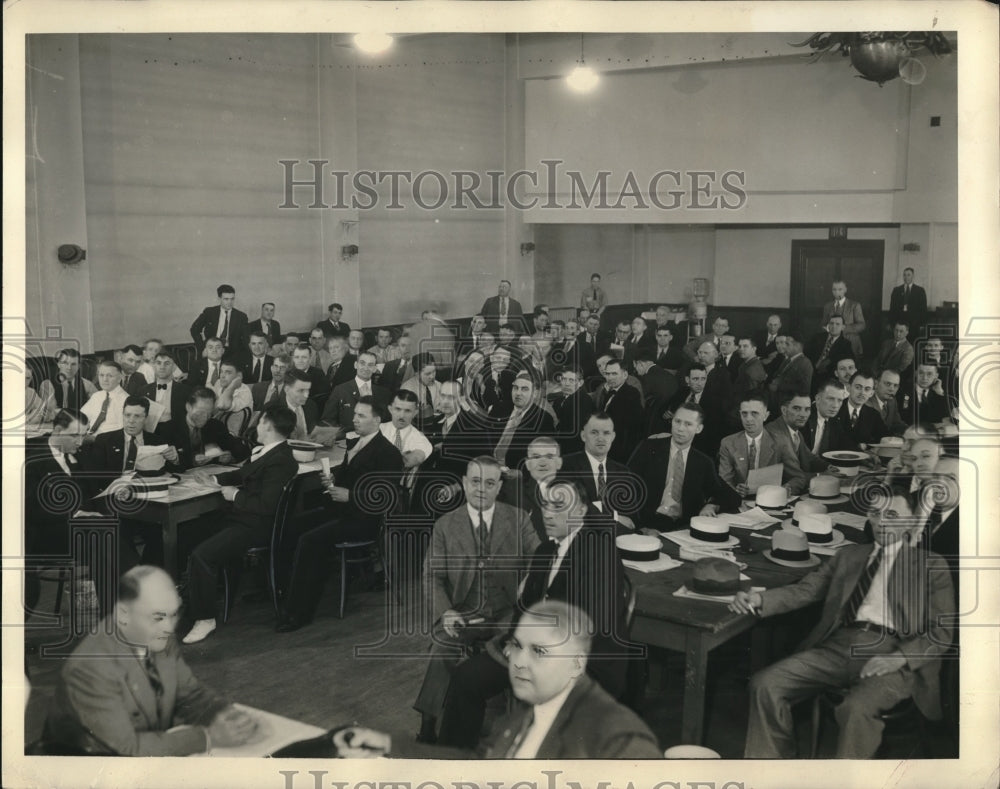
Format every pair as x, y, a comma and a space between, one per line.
752, 458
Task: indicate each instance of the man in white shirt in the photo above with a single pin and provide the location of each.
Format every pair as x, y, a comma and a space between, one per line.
383, 348
258, 366
104, 408
150, 349
207, 370
232, 395
411, 443
166, 391
751, 449
297, 400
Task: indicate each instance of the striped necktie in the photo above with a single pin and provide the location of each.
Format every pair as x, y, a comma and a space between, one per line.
864, 584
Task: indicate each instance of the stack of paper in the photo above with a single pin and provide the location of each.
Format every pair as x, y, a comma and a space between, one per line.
754, 519
849, 519
664, 562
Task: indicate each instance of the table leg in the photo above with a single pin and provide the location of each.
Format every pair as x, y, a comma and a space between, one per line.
695, 672
170, 546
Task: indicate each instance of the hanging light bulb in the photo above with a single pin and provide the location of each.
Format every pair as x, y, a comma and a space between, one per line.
372, 43
583, 78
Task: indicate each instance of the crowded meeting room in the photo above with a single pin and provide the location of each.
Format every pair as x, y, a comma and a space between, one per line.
492, 395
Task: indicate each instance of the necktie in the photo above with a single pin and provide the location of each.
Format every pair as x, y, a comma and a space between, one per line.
795, 440
854, 417
692, 398
365, 389
818, 440
826, 348
225, 330
275, 391
428, 400
157, 683
65, 393
398, 441
515, 744
196, 448
923, 394
484, 537
676, 485
864, 584
300, 423
104, 413
507, 436
503, 307
660, 353
256, 369
130, 453
885, 411
214, 377
752, 456
602, 481
160, 387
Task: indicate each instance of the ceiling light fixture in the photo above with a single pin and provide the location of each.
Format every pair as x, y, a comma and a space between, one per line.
583, 78
373, 43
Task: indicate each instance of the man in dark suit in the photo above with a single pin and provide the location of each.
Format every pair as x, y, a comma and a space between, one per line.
666, 354
592, 343
223, 321
266, 324
470, 597
637, 343
456, 437
766, 342
194, 433
166, 391
829, 347
572, 407
271, 390
624, 405
658, 385
896, 353
851, 314
716, 400
527, 490
680, 481
794, 373
68, 388
864, 424
370, 462
397, 372
50, 465
926, 402
257, 368
339, 410
884, 401
332, 325
610, 486
341, 367
253, 491
823, 432
729, 356
126, 688
516, 424
320, 390
497, 378
578, 565
501, 309
129, 358
206, 371
800, 464
566, 351
880, 636
750, 373
714, 418
908, 303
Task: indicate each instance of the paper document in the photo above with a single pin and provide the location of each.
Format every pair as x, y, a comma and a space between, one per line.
754, 519
766, 475
153, 417
146, 451
849, 519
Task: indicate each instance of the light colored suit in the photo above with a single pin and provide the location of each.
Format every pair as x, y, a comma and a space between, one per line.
734, 462
894, 356
800, 463
104, 702
854, 322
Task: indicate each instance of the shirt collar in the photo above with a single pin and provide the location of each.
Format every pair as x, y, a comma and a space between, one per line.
361, 383
595, 461
487, 515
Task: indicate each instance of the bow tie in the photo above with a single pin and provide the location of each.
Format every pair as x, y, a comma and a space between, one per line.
161, 386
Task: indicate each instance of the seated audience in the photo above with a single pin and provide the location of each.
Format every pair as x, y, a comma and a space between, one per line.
266, 325
165, 391
517, 423
572, 407
624, 405
207, 369
126, 690
879, 638
829, 347
926, 401
257, 368
794, 373
753, 448
668, 355
800, 464
884, 401
129, 358
199, 438
68, 389
342, 366
223, 321
863, 423
104, 408
332, 325
351, 487
253, 492
470, 599
896, 353
383, 349
427, 389
339, 410
680, 482
823, 432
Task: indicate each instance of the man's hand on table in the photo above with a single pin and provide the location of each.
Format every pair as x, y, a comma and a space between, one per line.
231, 727
747, 603
358, 743
709, 510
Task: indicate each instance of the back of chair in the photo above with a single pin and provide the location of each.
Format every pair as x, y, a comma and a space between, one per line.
629, 595
237, 421
300, 507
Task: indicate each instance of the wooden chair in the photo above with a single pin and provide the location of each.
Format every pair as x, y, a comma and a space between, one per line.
237, 421
902, 722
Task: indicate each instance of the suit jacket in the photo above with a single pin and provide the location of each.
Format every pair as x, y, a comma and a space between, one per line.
198, 374
104, 702
869, 429
716, 425
835, 435
658, 384
793, 375
625, 410
733, 365
672, 359
133, 383
273, 333
365, 476
207, 324
260, 484
933, 409
265, 373
492, 394
451, 566
750, 377
452, 452
621, 492
767, 347
572, 414
491, 309
701, 482
535, 422
841, 349
691, 348
894, 357
800, 463
179, 393
916, 307
319, 390
920, 596
618, 734
734, 465
394, 374
889, 411
50, 391
106, 454
854, 322
339, 410
342, 329
214, 432
46, 513
589, 351
259, 393
634, 347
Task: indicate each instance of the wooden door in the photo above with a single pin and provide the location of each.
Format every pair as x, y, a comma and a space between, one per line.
816, 265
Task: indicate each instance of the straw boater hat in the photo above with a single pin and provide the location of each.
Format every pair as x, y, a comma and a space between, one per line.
818, 529
711, 531
772, 497
826, 488
888, 447
803, 507
790, 547
638, 547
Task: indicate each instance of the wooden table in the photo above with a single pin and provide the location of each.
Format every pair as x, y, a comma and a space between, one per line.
275, 732
695, 627
185, 501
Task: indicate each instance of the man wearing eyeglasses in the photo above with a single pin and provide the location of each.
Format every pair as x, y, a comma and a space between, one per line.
470, 580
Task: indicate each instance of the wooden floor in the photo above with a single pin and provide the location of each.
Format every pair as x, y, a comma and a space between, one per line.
337, 671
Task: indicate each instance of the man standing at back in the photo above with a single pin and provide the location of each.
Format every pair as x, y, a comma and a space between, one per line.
223, 321
908, 304
852, 314
266, 324
502, 309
